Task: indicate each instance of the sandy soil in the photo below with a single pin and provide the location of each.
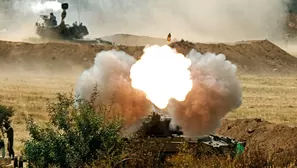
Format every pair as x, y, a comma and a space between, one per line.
276, 140
31, 74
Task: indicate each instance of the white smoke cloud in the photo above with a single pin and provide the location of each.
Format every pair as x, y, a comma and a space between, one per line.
215, 92
38, 7
31, 7
18, 17
110, 73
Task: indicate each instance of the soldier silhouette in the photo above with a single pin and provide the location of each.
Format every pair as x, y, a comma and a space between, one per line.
169, 38
2, 146
9, 132
52, 19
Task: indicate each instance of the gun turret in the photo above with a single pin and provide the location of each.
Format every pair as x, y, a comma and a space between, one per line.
157, 126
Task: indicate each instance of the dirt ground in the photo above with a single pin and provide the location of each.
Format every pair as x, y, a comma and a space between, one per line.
30, 74
274, 139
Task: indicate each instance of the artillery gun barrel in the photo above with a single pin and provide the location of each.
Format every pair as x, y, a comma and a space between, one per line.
64, 6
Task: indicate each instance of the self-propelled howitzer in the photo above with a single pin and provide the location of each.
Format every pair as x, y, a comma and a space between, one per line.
157, 128
62, 31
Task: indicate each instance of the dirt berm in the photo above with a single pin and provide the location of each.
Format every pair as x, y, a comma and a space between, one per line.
251, 56
276, 140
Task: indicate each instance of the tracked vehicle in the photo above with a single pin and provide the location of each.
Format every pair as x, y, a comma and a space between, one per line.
65, 32
162, 140
157, 128
62, 31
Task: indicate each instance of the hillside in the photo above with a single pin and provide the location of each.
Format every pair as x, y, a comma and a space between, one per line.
250, 57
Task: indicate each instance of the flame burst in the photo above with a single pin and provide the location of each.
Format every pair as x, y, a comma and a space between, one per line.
162, 74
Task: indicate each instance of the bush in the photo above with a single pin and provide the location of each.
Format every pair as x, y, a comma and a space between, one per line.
6, 112
74, 136
292, 6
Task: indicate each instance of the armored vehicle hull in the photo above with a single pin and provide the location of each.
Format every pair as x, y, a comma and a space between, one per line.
156, 129
66, 33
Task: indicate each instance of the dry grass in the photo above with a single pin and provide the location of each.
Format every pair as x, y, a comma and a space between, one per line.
28, 94
271, 98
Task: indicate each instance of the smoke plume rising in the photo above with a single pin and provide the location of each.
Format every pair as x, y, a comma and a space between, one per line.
215, 90
195, 20
110, 74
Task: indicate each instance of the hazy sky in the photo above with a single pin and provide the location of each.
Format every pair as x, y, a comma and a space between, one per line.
199, 20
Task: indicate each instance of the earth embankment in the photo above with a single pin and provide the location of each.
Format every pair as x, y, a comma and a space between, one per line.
250, 56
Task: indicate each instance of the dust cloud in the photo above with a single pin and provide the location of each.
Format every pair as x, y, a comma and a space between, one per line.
195, 20
214, 93
18, 18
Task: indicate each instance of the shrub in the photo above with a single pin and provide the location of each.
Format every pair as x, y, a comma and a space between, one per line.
75, 135
292, 6
6, 112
